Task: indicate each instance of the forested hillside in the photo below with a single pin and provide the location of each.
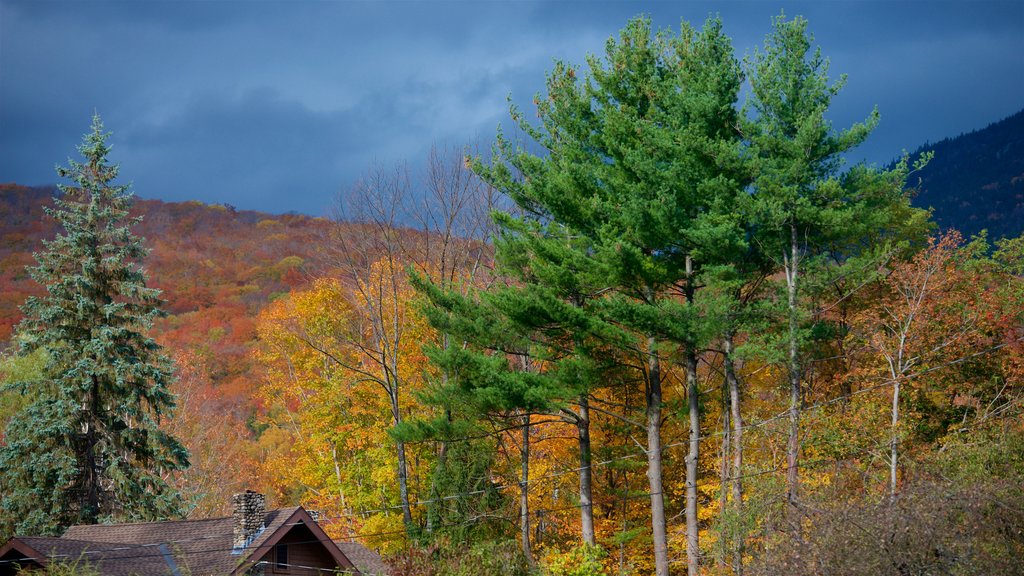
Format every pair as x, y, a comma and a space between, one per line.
217, 267
976, 180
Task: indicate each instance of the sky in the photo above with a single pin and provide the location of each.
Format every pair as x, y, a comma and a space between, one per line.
280, 105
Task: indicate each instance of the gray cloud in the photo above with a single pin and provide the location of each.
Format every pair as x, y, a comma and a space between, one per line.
277, 105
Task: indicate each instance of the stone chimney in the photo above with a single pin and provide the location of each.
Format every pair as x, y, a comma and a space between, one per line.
249, 512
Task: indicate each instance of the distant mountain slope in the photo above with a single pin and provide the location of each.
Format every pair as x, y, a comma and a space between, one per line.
976, 180
217, 268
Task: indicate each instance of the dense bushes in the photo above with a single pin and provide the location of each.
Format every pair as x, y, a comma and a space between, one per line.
963, 514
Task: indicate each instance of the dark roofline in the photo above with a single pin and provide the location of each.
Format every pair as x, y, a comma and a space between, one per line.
29, 553
299, 515
250, 558
153, 522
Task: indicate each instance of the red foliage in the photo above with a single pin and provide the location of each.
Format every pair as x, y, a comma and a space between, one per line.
217, 267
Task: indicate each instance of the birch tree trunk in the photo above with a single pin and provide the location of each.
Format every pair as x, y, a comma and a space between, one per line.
894, 442
725, 450
524, 492
692, 458
737, 449
403, 469
693, 401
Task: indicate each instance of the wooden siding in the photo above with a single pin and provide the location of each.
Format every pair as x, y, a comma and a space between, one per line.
306, 555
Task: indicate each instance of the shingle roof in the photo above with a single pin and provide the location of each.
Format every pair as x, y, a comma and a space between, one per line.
367, 561
196, 547
204, 545
274, 521
111, 559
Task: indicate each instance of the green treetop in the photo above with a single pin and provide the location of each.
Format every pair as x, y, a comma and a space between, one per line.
642, 183
89, 447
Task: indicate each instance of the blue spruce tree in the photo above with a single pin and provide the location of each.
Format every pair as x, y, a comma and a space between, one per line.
89, 447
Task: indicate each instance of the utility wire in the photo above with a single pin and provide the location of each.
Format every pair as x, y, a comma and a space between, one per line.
403, 532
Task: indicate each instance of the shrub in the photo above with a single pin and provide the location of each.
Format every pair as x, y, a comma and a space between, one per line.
487, 557
580, 561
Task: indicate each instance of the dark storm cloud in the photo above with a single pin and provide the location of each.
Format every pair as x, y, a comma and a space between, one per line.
278, 105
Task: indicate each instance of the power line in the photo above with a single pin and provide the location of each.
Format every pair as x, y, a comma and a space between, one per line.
713, 434
404, 532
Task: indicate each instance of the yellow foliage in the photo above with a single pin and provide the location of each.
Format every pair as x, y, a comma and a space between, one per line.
330, 354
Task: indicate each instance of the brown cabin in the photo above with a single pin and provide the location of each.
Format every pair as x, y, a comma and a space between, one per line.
252, 541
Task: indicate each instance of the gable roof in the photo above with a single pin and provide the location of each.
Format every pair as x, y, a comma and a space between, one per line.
277, 525
203, 547
15, 553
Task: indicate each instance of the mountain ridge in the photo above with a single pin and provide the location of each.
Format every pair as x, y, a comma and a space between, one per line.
975, 181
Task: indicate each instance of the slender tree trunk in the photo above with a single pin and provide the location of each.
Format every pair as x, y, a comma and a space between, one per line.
726, 461
894, 442
793, 448
654, 459
625, 523
341, 489
586, 472
524, 491
693, 457
725, 450
737, 450
624, 502
403, 469
403, 486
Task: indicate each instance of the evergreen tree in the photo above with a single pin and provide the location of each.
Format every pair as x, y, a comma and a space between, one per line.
810, 213
89, 447
640, 180
534, 345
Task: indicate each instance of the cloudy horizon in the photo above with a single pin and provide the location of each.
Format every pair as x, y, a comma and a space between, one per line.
276, 106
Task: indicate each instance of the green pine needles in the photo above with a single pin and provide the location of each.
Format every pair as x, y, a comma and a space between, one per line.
89, 448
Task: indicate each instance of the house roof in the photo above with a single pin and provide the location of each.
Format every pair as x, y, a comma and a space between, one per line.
198, 547
205, 544
277, 525
367, 561
111, 559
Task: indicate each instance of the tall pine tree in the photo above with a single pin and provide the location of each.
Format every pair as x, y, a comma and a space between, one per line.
641, 172
810, 212
533, 345
89, 447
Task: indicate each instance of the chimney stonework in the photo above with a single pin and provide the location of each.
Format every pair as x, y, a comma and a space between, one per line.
249, 512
